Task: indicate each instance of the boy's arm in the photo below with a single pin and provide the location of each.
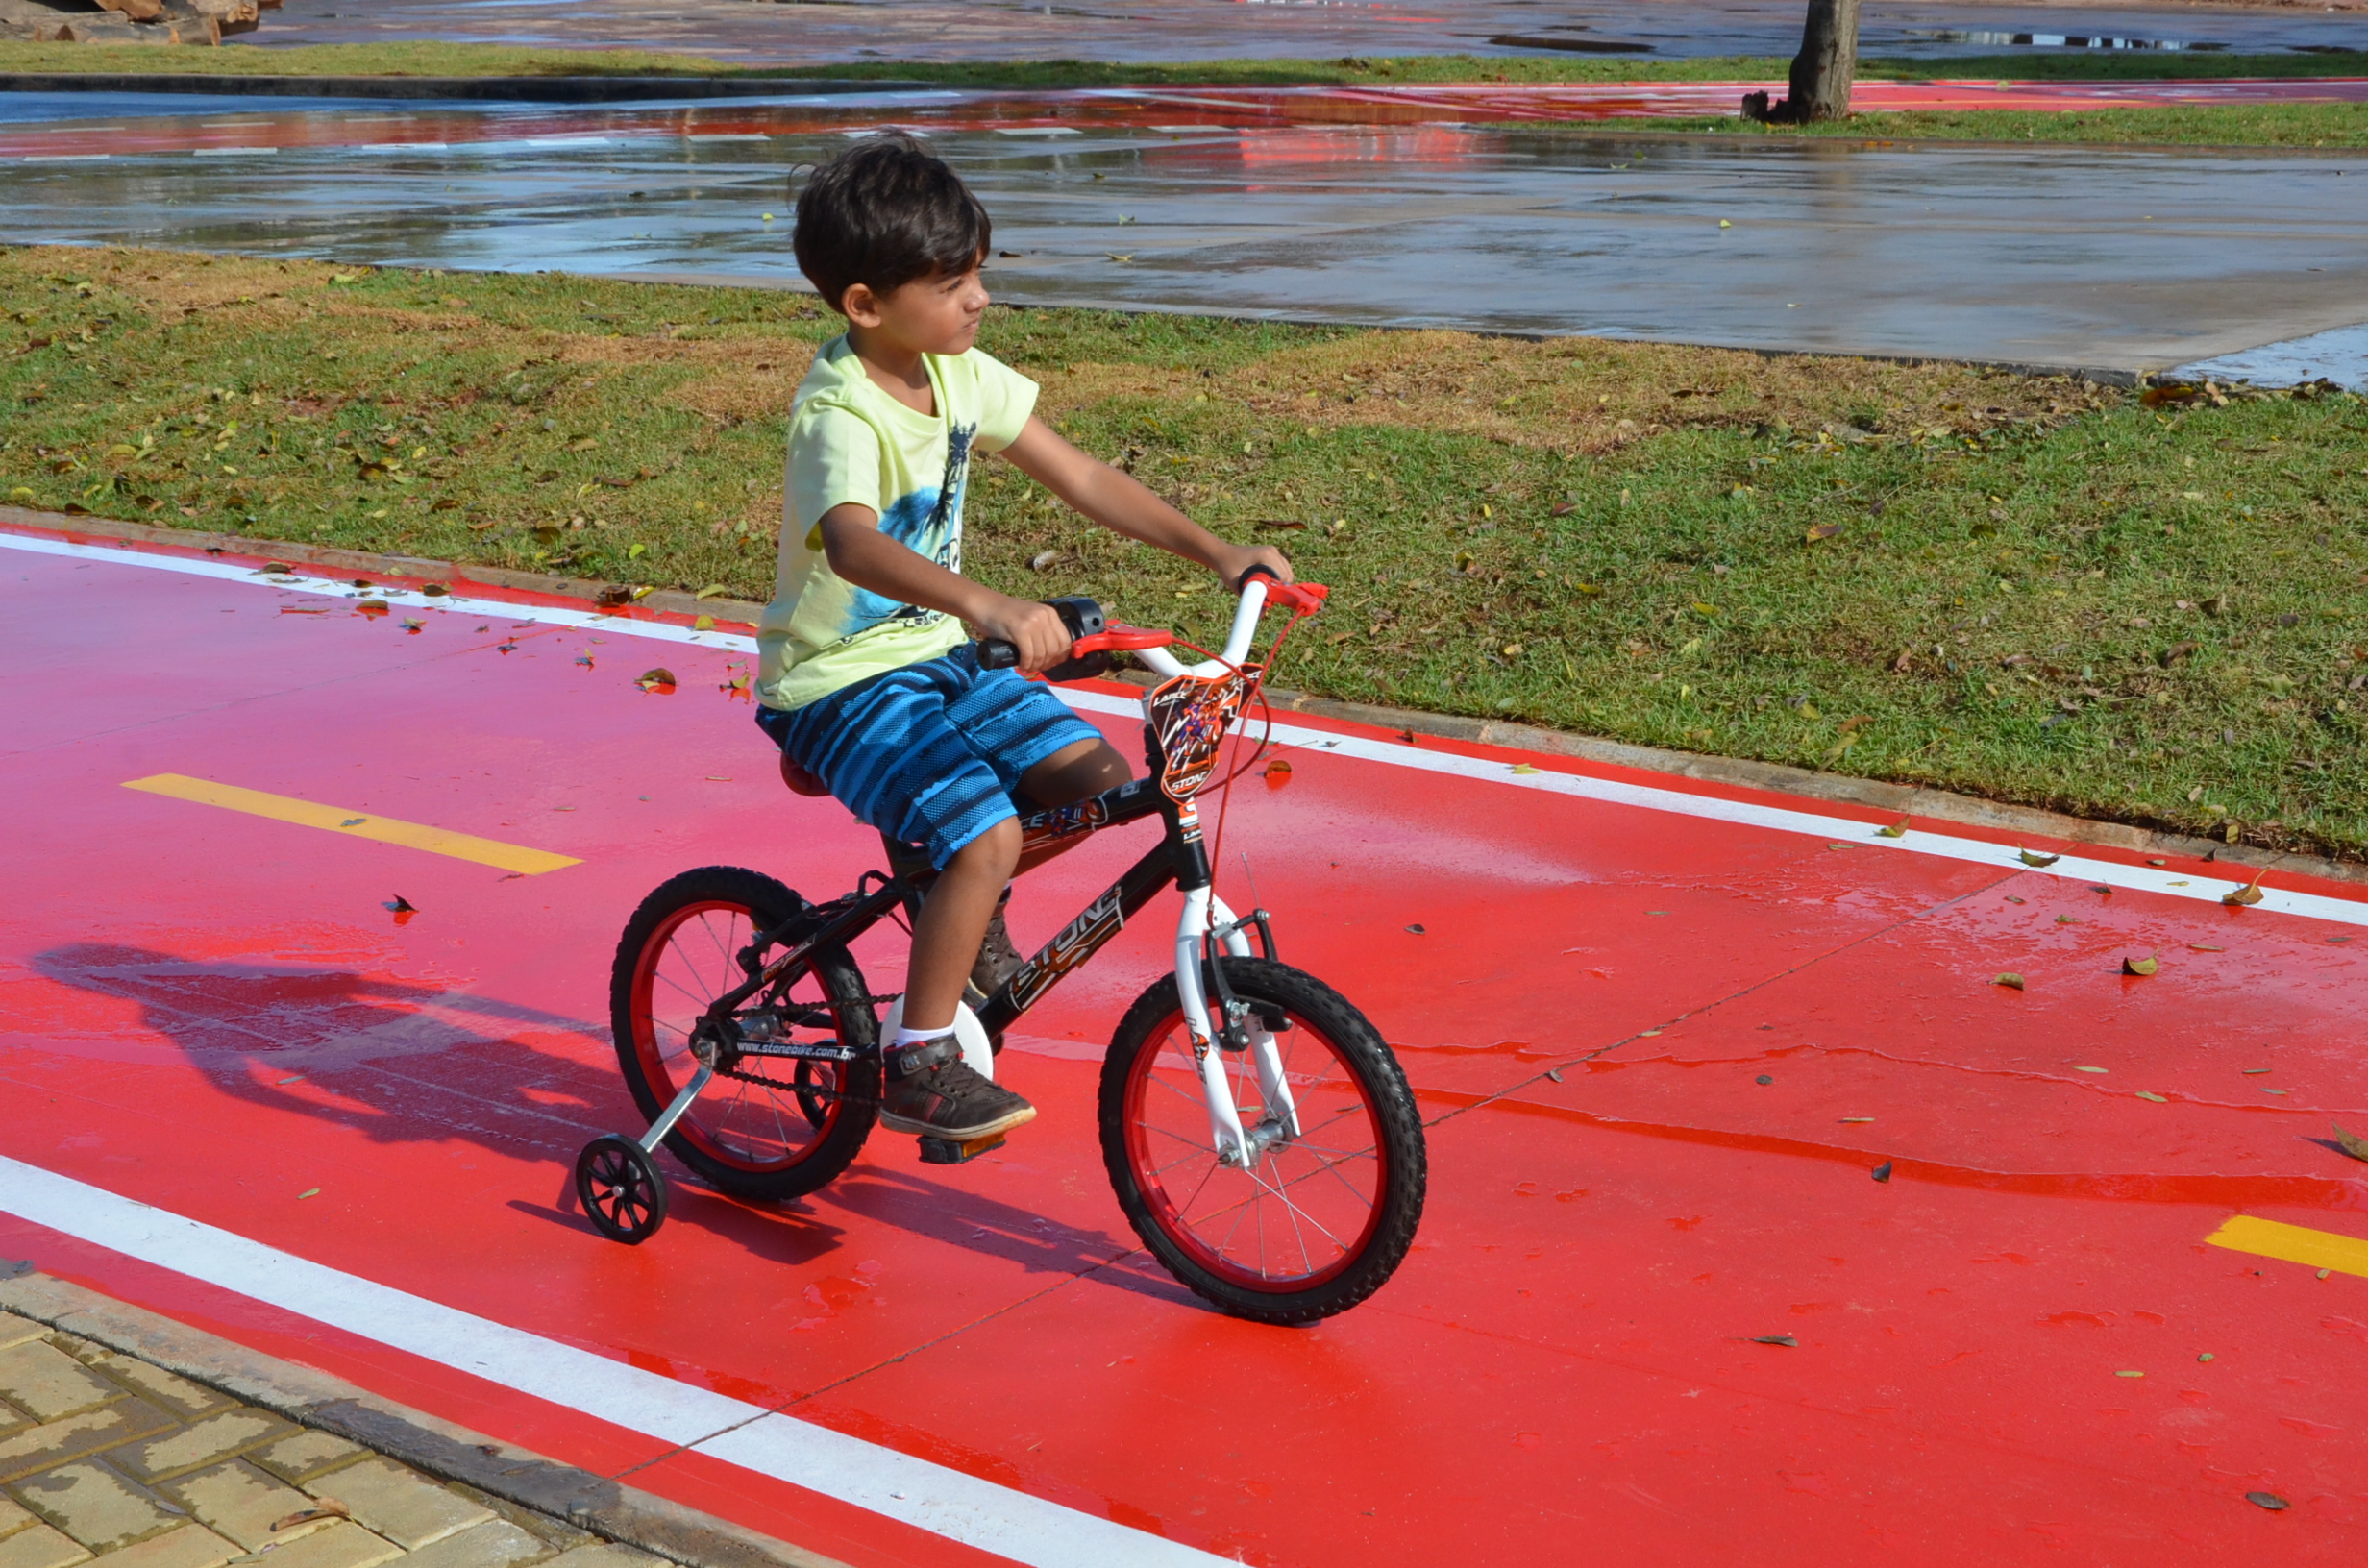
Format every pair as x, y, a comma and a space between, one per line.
1123, 505
863, 555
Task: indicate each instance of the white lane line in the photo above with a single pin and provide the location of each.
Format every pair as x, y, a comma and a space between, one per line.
65, 158
406, 146
930, 1497
232, 151
1483, 770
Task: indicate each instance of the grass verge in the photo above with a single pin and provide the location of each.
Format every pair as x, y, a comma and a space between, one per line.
2032, 589
442, 59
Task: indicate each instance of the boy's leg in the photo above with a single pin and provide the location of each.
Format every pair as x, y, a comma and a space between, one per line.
889, 753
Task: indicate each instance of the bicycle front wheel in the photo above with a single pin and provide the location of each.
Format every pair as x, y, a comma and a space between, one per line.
1324, 1215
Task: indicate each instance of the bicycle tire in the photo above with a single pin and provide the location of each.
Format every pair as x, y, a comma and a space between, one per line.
745, 1139
1151, 1049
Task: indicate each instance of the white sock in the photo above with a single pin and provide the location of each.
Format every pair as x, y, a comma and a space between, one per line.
918, 1037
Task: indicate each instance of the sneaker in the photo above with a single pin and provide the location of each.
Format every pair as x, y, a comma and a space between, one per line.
932, 1092
998, 959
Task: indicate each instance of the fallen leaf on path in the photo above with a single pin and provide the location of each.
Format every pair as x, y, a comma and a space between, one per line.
2027, 858
1897, 830
2148, 1094
1847, 1119
1277, 774
307, 1192
2267, 1500
705, 623
1525, 768
1416, 929
2204, 948
2013, 982
660, 679
414, 628
399, 905
1881, 1172
2139, 966
2092, 1069
2249, 894
371, 607
2351, 1144
325, 1508
584, 659
1784, 1340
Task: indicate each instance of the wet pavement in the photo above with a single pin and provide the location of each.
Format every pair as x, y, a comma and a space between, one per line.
1815, 1248
963, 30
1283, 205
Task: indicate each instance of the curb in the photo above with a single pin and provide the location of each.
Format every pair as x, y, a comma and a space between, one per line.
1777, 778
313, 1399
533, 89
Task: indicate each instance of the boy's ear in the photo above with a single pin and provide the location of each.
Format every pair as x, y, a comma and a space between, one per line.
860, 305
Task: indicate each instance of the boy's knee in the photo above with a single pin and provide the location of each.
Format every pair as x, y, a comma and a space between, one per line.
997, 847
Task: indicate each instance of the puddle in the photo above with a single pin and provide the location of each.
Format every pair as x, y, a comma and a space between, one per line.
2339, 355
1984, 39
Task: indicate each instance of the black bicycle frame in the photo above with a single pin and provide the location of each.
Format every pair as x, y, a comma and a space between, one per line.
1179, 857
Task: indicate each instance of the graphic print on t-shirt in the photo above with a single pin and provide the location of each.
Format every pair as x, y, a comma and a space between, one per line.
926, 521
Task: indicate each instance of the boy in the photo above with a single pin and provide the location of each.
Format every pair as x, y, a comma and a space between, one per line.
867, 678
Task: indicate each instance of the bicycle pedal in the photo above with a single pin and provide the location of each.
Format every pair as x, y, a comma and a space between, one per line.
945, 1151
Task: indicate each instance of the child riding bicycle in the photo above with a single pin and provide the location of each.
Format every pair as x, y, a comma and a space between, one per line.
867, 678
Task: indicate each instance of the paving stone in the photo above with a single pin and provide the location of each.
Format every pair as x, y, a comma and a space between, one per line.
48, 1383
399, 1505
239, 1501
606, 1555
200, 1444
159, 1387
342, 1545
18, 1330
55, 1442
12, 1518
308, 1454
13, 1420
41, 1547
191, 1546
97, 1506
499, 1544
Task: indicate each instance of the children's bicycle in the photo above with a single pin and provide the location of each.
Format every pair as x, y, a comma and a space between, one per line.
1259, 1134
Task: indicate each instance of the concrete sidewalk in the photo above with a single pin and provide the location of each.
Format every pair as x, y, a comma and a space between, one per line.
135, 1442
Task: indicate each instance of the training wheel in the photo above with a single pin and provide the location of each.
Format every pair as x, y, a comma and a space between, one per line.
619, 1185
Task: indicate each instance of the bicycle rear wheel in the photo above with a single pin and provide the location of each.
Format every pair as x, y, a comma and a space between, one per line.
1322, 1219
680, 951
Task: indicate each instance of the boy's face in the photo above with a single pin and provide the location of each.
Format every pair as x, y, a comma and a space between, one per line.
937, 314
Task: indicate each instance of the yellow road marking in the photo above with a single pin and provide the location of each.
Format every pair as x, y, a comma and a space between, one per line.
2295, 1244
437, 841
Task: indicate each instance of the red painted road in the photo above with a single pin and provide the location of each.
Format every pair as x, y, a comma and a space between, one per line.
213, 1013
1106, 110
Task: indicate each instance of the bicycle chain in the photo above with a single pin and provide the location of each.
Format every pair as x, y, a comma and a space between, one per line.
802, 1091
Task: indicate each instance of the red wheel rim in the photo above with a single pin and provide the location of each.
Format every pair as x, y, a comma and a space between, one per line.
687, 962
1310, 1207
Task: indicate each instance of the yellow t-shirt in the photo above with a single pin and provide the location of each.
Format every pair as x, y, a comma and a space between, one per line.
850, 441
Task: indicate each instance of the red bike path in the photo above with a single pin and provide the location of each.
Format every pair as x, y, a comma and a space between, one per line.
1659, 1309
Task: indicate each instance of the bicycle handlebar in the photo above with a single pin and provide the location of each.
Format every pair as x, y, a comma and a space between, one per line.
1091, 636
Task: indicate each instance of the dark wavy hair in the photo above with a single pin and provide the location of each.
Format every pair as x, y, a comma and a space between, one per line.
884, 212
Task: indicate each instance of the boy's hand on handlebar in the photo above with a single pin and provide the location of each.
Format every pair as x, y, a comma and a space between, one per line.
1035, 629
1238, 559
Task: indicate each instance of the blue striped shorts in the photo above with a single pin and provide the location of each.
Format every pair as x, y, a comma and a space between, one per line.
928, 754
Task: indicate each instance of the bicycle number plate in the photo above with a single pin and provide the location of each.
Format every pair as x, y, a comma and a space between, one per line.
1190, 715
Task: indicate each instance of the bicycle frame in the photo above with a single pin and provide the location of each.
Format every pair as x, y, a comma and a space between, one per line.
1205, 925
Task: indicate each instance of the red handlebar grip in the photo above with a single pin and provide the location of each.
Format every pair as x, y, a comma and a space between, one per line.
1114, 637
1307, 598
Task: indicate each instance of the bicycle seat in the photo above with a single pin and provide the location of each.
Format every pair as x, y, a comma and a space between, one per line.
800, 779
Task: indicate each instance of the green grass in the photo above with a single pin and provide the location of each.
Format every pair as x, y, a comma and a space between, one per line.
439, 59
2035, 590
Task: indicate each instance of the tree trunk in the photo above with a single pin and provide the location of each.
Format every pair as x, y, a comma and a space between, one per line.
1828, 61
1822, 72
